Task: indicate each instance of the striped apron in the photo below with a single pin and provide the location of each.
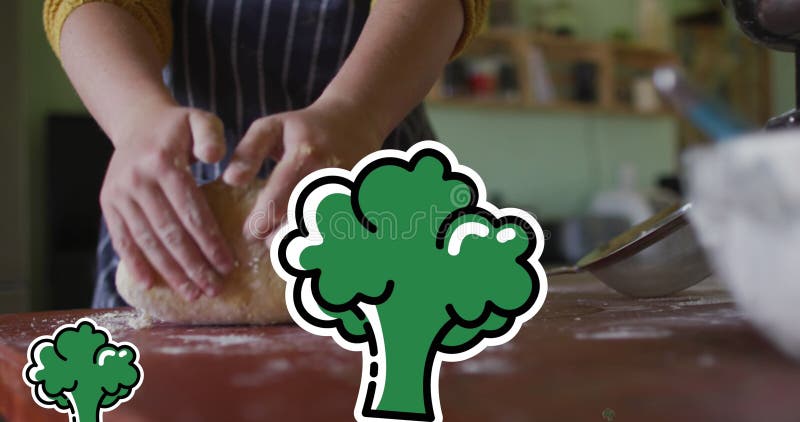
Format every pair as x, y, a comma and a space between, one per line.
244, 59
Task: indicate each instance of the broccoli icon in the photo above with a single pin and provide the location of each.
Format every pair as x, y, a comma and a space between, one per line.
404, 260
79, 370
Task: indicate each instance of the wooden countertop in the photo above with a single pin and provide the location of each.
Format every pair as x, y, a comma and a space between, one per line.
689, 357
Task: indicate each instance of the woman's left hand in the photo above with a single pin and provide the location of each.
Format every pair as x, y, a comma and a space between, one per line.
329, 133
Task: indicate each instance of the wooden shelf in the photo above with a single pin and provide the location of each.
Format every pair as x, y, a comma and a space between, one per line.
558, 107
609, 58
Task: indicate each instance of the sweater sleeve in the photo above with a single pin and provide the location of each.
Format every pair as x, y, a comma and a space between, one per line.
475, 13
154, 15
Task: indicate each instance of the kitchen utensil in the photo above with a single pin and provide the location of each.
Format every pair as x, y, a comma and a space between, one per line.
661, 255
658, 257
574, 237
709, 116
775, 24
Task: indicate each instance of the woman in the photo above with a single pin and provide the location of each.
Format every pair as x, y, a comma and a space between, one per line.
249, 87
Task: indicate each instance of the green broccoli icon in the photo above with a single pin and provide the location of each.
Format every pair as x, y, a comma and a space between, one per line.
79, 370
404, 260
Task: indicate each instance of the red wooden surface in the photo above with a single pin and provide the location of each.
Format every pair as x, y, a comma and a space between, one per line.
689, 357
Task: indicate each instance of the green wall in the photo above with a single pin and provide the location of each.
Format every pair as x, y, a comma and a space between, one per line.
783, 90
552, 163
44, 89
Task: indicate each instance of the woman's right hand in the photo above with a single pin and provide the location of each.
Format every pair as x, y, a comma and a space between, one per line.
159, 221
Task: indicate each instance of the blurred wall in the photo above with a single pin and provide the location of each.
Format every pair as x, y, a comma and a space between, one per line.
783, 89
14, 274
43, 88
553, 163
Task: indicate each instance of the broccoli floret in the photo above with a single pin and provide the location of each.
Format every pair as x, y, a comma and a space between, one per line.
407, 260
80, 371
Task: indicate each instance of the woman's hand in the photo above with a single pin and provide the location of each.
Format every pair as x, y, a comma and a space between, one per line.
329, 133
401, 51
158, 219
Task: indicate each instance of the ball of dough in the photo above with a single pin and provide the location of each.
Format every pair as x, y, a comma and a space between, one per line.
251, 294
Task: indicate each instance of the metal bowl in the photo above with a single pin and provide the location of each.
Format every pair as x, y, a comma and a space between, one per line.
658, 257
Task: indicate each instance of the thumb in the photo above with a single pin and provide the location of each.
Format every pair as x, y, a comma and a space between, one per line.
261, 139
207, 134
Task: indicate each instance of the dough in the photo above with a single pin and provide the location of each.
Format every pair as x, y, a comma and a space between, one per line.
251, 294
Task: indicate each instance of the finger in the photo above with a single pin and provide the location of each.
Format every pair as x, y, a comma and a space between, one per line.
128, 251
192, 209
271, 236
260, 139
273, 201
177, 240
208, 136
155, 252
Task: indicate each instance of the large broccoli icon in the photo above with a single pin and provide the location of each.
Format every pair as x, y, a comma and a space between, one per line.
80, 371
404, 260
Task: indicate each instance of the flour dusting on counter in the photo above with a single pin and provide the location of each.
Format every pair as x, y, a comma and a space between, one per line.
226, 341
625, 333
179, 344
485, 365
262, 374
219, 340
122, 321
344, 365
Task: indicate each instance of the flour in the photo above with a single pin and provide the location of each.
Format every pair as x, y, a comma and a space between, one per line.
227, 343
567, 287
625, 333
746, 212
718, 316
493, 365
141, 320
220, 340
339, 363
213, 344
653, 323
122, 321
264, 373
677, 302
626, 308
701, 301
653, 318
706, 360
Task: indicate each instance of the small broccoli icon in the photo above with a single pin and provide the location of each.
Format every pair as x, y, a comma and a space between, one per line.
79, 370
404, 260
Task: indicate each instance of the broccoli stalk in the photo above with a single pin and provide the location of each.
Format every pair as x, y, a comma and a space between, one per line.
80, 371
407, 263
408, 359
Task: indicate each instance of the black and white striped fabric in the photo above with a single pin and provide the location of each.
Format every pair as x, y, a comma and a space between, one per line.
244, 59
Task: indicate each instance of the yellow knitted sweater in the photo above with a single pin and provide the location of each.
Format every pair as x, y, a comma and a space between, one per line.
155, 16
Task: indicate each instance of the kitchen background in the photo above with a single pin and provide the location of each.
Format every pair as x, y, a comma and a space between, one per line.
551, 106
